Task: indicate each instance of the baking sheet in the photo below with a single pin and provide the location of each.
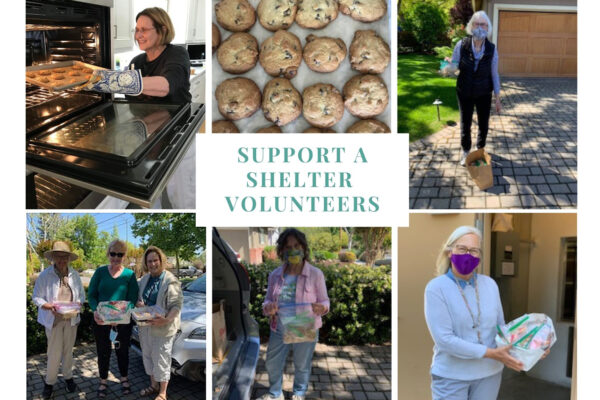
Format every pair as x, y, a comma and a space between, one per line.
342, 27
50, 67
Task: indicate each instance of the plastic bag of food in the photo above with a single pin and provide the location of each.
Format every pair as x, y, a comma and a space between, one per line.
298, 322
67, 309
531, 335
143, 315
115, 312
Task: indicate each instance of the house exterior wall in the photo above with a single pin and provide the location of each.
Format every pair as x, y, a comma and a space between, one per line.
238, 240
488, 6
418, 247
547, 231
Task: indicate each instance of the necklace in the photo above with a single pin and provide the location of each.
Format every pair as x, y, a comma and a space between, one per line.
477, 322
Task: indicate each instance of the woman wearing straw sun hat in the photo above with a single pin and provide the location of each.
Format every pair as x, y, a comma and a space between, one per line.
58, 283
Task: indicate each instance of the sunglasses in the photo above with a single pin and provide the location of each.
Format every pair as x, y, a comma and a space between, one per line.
113, 254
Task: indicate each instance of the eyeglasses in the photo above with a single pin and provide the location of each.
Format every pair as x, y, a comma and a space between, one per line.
474, 251
113, 254
482, 24
143, 30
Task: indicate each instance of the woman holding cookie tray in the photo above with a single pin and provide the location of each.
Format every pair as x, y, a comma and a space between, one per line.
477, 60
112, 282
159, 288
296, 293
59, 284
462, 309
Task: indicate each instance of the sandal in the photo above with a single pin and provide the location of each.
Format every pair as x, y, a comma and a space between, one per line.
148, 391
161, 397
125, 387
101, 391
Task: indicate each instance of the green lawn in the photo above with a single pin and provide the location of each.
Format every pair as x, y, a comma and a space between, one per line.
418, 86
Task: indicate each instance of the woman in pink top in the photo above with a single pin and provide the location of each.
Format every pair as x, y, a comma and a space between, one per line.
291, 285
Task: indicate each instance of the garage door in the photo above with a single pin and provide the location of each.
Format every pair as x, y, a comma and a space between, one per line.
541, 44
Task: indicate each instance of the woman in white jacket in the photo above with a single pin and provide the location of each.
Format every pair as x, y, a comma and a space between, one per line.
57, 283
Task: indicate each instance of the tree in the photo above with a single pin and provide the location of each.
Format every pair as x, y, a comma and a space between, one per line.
82, 231
175, 234
373, 240
427, 21
461, 13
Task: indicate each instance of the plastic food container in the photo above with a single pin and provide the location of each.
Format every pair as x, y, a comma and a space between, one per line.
67, 309
298, 322
114, 312
142, 315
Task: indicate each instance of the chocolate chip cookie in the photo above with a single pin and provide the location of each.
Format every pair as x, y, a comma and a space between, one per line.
216, 36
365, 96
369, 53
281, 102
238, 53
316, 14
369, 126
224, 126
314, 129
281, 54
237, 98
277, 14
323, 105
323, 54
235, 15
270, 129
364, 10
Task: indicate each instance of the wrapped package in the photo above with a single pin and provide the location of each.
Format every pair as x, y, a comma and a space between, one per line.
67, 309
142, 315
530, 335
298, 322
114, 312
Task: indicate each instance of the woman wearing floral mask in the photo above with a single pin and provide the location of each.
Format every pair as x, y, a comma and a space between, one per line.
462, 309
477, 60
294, 282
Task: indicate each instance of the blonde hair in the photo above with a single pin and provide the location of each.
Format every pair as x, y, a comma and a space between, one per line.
443, 261
119, 244
479, 15
161, 22
161, 256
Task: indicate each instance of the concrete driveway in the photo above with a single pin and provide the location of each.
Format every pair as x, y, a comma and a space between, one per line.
86, 376
533, 144
338, 372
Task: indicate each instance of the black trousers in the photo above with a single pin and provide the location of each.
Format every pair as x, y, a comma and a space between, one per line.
466, 104
104, 348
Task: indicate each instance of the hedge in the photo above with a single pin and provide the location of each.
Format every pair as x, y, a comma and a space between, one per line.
36, 334
360, 297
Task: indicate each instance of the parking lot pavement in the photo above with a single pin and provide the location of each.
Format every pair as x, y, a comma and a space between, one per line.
338, 372
85, 374
533, 144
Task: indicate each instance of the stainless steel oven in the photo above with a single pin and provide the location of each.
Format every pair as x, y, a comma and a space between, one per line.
81, 144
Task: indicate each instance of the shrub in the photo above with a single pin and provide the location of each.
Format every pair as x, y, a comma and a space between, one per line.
360, 297
407, 42
322, 255
325, 240
456, 33
347, 256
427, 22
443, 51
462, 12
36, 334
269, 253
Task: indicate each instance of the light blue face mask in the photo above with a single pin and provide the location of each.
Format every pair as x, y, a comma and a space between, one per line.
479, 33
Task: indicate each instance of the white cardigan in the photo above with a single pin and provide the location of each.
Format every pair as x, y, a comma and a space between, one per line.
46, 290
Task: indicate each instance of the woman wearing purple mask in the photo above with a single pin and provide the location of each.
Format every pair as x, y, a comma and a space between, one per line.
477, 59
296, 282
462, 309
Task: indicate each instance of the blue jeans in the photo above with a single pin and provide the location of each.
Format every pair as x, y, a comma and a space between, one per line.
277, 352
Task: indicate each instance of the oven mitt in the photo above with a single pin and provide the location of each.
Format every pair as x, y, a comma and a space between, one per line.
123, 82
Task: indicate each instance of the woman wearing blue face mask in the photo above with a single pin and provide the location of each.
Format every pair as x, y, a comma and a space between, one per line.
462, 309
477, 60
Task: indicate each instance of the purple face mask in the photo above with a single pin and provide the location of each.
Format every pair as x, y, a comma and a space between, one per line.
464, 263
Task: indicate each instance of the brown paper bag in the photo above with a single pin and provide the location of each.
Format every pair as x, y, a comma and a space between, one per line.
219, 329
482, 174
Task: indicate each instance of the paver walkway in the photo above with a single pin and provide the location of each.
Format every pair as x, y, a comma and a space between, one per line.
338, 372
533, 144
85, 375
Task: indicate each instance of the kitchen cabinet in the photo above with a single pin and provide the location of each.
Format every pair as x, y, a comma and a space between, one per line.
198, 85
122, 25
188, 19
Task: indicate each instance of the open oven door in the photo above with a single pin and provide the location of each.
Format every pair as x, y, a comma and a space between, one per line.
119, 148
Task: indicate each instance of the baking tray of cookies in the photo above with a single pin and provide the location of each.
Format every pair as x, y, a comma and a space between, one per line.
61, 75
342, 27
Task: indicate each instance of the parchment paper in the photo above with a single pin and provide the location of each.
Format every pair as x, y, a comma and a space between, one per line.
342, 27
